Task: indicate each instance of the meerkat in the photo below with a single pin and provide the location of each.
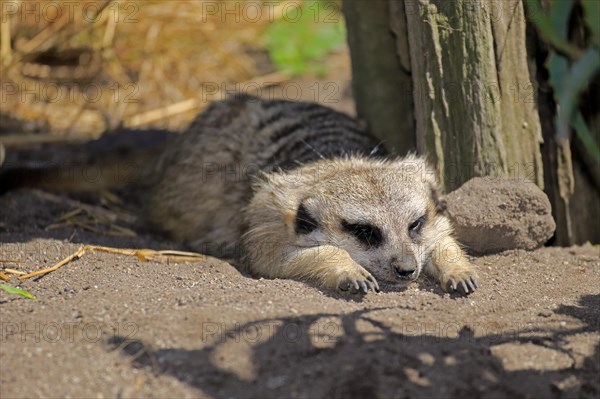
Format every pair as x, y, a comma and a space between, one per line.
299, 191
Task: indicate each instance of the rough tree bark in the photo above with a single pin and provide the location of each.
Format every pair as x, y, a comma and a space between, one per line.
474, 103
474, 93
381, 83
475, 109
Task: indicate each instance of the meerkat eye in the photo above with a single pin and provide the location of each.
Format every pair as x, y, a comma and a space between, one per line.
367, 234
304, 223
415, 227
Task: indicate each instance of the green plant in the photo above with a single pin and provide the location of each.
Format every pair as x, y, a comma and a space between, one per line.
570, 67
301, 36
17, 291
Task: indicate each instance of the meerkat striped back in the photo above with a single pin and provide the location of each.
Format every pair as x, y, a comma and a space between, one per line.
299, 133
282, 134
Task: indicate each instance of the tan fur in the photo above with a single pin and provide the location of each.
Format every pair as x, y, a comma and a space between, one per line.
388, 194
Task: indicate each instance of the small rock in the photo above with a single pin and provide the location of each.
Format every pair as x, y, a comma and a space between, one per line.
493, 214
545, 313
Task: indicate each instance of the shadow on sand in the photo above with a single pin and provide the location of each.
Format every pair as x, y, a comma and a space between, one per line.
356, 355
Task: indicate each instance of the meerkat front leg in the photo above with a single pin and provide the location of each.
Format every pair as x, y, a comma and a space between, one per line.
449, 265
331, 266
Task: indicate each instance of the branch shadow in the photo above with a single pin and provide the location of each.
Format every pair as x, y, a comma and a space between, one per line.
357, 355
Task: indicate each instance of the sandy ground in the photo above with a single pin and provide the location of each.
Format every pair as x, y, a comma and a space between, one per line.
114, 326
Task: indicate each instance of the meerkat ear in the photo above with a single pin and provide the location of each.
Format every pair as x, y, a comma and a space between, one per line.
416, 167
438, 198
431, 180
420, 165
304, 222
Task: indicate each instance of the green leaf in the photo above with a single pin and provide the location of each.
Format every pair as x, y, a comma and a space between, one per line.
14, 290
298, 45
592, 18
584, 134
559, 16
558, 68
571, 87
551, 28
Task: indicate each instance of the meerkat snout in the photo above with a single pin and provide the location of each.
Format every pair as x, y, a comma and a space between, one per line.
408, 265
404, 269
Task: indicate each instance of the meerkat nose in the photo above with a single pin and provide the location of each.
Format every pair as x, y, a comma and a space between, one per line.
407, 274
402, 270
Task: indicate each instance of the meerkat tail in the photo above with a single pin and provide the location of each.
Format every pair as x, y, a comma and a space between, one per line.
62, 179
111, 162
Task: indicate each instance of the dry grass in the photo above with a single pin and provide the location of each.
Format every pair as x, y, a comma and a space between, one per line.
138, 63
146, 255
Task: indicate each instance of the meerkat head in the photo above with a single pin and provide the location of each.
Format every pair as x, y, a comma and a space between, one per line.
383, 213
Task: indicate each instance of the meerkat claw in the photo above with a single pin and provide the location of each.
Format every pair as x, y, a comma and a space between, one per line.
451, 286
472, 282
355, 286
464, 287
364, 287
374, 284
370, 284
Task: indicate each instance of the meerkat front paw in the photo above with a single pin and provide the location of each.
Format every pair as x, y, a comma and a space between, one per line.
461, 278
450, 266
357, 281
331, 266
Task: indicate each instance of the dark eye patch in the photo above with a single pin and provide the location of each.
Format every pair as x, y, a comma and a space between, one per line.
367, 234
304, 223
414, 229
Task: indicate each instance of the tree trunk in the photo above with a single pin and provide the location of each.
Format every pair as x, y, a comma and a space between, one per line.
475, 106
381, 80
